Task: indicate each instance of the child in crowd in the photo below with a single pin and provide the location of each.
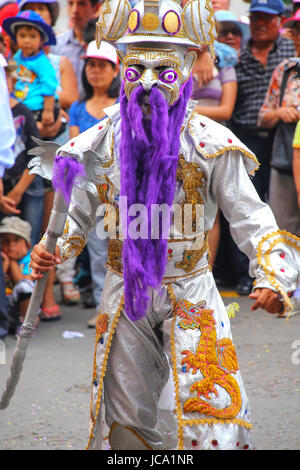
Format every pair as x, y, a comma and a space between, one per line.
24, 190
36, 80
15, 241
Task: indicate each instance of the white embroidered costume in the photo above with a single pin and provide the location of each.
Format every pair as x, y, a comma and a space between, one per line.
172, 379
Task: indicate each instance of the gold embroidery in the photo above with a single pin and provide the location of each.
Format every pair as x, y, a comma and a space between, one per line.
76, 245
133, 20
111, 159
66, 229
211, 421
150, 21
194, 34
263, 257
191, 179
102, 192
115, 254
215, 359
192, 257
102, 324
175, 374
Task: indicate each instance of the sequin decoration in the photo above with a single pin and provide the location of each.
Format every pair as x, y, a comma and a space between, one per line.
133, 21
171, 22
102, 324
215, 359
150, 22
232, 309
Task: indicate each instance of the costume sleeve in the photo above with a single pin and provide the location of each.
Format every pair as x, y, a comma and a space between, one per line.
80, 221
273, 254
8, 133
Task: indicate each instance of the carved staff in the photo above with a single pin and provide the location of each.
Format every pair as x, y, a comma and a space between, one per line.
65, 171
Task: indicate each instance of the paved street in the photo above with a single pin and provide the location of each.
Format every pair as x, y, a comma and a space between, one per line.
50, 408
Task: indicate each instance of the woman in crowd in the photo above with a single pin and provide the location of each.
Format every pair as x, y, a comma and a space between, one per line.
230, 31
283, 195
101, 84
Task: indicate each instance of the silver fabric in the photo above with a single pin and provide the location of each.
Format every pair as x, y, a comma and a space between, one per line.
140, 375
138, 385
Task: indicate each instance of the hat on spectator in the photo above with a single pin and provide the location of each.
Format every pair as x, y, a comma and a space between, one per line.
53, 6
7, 9
291, 22
29, 18
273, 7
16, 226
106, 51
226, 16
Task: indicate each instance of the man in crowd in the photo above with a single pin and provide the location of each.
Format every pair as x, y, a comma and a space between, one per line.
71, 43
264, 51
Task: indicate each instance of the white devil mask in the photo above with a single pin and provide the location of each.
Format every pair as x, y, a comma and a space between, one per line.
158, 34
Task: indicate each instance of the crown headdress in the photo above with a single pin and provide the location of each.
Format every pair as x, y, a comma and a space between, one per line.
157, 21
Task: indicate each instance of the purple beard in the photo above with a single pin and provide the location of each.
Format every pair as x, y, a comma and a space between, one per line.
149, 152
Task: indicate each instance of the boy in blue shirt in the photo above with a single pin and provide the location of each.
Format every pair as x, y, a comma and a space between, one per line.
36, 80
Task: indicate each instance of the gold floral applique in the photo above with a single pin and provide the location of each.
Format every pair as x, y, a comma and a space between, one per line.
215, 359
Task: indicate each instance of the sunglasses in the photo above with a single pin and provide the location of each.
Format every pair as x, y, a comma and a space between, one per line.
234, 31
265, 17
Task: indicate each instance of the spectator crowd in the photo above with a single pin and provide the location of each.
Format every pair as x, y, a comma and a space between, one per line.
53, 87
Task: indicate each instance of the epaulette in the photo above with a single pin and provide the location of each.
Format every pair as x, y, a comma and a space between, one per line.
212, 139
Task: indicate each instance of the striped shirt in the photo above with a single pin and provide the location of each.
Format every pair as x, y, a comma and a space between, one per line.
253, 80
68, 46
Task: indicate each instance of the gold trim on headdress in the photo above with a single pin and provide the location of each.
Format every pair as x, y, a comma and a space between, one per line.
158, 21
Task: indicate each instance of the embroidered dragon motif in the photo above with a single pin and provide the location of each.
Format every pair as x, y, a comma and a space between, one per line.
215, 359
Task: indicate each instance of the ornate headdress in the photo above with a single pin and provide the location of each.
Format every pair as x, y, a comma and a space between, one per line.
157, 21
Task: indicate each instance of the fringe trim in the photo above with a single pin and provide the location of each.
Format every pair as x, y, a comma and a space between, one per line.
111, 333
175, 375
211, 421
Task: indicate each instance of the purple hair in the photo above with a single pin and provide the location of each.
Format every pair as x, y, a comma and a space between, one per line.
149, 152
66, 170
